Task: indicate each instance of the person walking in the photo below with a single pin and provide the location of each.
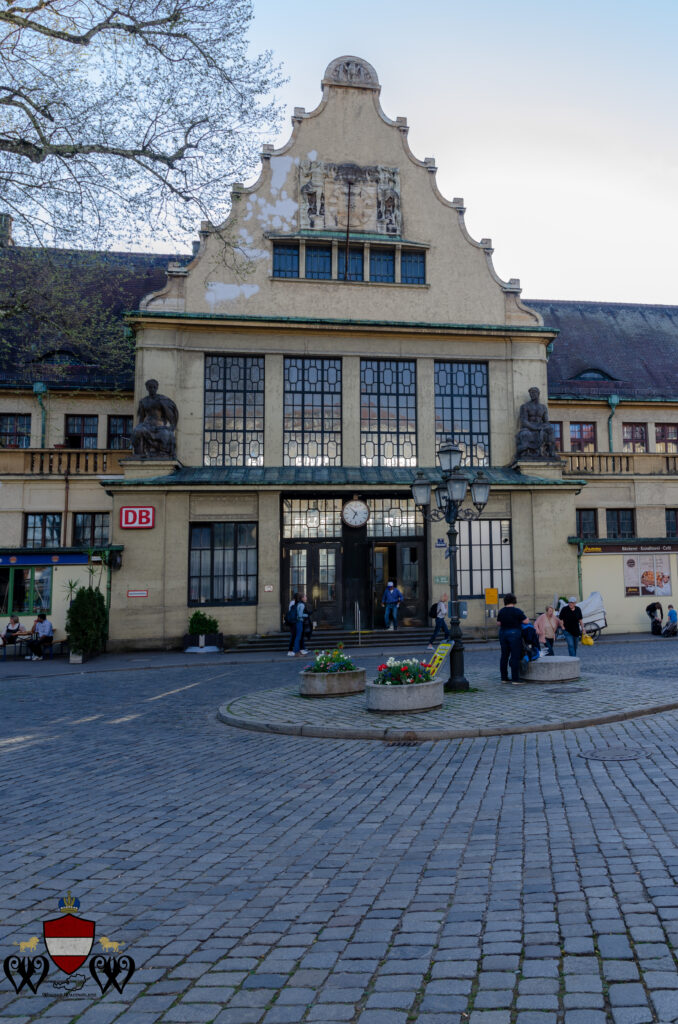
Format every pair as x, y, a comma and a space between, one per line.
547, 625
510, 620
391, 598
441, 625
571, 618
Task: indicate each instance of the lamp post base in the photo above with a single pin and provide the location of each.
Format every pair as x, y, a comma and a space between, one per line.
457, 685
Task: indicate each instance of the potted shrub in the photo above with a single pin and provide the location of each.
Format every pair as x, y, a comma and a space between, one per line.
331, 674
203, 632
402, 686
86, 624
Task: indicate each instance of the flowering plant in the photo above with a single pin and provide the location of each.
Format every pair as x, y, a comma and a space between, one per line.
331, 661
398, 673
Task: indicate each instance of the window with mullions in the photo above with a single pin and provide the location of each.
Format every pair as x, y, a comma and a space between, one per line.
462, 410
671, 522
222, 563
81, 431
120, 432
285, 260
312, 412
484, 556
15, 430
42, 529
634, 437
318, 262
234, 411
620, 523
412, 267
394, 517
355, 264
311, 518
388, 413
91, 529
382, 264
587, 523
25, 590
582, 437
666, 438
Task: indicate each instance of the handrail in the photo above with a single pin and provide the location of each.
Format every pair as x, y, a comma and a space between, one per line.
61, 461
616, 463
356, 616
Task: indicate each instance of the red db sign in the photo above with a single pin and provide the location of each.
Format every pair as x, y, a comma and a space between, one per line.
137, 517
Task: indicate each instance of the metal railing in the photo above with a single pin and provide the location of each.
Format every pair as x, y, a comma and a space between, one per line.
619, 463
356, 618
61, 461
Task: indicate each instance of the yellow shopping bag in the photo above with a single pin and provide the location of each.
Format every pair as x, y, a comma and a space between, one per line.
587, 640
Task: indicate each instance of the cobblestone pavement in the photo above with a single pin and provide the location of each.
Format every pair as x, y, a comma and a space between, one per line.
605, 689
269, 879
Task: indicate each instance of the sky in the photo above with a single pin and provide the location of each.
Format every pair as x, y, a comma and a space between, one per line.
555, 121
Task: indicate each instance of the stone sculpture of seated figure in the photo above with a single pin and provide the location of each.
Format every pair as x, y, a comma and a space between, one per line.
153, 437
536, 437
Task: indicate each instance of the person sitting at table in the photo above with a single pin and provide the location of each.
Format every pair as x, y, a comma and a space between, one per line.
12, 630
43, 634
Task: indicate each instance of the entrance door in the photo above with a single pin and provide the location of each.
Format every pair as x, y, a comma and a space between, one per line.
314, 569
403, 562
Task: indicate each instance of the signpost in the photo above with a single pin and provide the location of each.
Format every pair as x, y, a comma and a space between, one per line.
491, 602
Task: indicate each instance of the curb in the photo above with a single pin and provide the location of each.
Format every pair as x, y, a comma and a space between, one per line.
423, 735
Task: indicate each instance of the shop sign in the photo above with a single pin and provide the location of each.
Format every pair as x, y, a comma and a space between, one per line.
137, 517
647, 575
628, 549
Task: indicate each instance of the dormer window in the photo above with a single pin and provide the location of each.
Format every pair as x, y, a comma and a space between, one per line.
592, 374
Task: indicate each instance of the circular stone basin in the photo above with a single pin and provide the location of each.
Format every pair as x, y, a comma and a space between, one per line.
401, 699
558, 669
331, 684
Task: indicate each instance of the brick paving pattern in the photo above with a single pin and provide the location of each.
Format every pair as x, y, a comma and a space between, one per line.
259, 879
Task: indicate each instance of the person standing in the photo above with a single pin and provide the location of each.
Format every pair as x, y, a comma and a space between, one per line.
299, 630
291, 623
390, 601
510, 620
44, 634
547, 625
441, 625
571, 618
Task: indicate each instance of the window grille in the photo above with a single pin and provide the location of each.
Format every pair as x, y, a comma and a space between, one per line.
318, 262
234, 411
462, 409
382, 264
312, 412
484, 556
412, 267
388, 413
285, 260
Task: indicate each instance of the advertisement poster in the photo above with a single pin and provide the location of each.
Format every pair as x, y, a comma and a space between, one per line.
647, 576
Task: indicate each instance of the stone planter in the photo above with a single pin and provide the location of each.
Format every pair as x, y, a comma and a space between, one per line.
555, 669
331, 684
207, 642
403, 699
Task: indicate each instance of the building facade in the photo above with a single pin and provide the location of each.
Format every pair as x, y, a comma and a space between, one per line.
352, 326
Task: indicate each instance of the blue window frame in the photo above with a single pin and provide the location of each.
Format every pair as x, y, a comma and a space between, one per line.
382, 264
286, 260
355, 264
318, 262
413, 267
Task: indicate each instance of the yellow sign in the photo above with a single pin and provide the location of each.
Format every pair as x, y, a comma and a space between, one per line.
441, 652
491, 595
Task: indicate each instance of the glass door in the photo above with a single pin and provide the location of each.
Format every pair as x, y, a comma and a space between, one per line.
314, 569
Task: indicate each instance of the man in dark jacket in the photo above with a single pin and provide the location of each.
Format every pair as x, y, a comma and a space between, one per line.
571, 618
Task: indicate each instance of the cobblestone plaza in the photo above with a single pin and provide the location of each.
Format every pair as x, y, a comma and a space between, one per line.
256, 879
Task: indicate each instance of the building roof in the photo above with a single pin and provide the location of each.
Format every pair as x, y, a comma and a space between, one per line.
336, 476
633, 346
62, 314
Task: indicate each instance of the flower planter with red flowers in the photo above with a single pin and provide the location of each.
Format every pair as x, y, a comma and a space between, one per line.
404, 686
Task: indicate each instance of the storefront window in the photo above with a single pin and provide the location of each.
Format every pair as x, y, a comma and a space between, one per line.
222, 563
388, 413
462, 409
312, 412
25, 590
484, 557
234, 411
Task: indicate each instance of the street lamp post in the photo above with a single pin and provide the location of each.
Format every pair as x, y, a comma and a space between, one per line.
449, 497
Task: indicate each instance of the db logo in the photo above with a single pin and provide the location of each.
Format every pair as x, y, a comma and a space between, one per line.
137, 517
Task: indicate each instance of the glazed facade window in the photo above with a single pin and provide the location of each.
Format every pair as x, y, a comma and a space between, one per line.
388, 413
312, 412
234, 411
462, 409
222, 563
